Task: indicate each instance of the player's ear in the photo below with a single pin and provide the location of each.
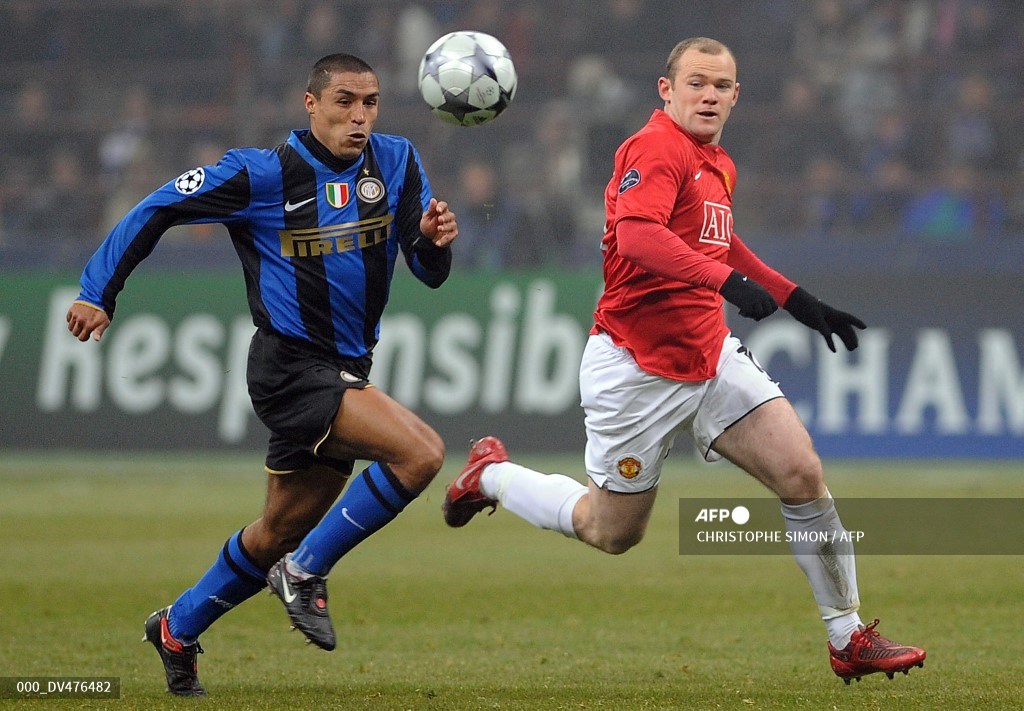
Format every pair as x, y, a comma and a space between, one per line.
310, 102
664, 88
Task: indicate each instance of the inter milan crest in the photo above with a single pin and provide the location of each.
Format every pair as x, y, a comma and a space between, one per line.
370, 189
337, 194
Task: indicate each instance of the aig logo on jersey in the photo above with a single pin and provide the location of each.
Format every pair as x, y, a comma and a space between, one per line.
717, 227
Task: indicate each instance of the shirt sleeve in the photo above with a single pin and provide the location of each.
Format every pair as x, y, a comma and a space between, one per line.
660, 251
429, 263
652, 177
743, 260
201, 195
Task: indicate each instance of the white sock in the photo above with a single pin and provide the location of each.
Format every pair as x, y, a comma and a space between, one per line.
545, 500
841, 628
828, 564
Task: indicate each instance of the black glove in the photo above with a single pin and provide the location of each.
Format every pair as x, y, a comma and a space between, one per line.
752, 299
824, 319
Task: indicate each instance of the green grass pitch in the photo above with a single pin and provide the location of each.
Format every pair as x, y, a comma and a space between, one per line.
494, 616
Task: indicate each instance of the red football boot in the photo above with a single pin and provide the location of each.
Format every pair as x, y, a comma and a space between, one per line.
869, 652
463, 500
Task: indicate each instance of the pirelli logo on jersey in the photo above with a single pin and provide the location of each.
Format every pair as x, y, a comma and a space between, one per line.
335, 239
717, 227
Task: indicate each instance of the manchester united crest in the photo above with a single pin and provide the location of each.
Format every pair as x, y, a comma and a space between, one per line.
629, 467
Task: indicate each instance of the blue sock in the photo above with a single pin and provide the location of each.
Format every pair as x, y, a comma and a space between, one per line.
233, 579
373, 499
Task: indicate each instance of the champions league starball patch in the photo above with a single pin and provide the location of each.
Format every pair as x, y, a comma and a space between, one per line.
190, 181
629, 180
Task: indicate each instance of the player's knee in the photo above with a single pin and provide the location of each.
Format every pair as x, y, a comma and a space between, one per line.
805, 478
433, 455
424, 462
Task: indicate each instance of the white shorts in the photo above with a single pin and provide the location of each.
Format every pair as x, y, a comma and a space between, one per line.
633, 417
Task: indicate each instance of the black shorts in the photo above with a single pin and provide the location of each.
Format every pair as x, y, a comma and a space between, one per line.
296, 390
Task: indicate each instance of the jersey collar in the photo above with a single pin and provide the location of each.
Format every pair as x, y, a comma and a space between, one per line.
319, 151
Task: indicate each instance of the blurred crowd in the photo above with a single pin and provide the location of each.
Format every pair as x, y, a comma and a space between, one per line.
886, 120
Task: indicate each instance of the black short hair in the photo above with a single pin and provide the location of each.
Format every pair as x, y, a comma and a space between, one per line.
332, 64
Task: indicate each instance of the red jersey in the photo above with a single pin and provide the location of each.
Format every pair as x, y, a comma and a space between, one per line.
674, 328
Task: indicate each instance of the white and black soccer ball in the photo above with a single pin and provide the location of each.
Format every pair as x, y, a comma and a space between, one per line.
467, 78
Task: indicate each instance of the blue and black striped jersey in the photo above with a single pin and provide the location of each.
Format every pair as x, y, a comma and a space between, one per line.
318, 247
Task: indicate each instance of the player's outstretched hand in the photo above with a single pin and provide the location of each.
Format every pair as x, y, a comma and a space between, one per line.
824, 319
438, 223
85, 320
751, 298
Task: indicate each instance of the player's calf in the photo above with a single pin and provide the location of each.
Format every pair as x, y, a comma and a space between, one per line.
614, 542
612, 521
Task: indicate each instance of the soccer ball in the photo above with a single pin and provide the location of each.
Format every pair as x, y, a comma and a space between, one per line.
467, 78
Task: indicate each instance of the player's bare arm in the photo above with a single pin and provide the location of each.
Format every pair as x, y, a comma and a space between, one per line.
85, 320
438, 223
